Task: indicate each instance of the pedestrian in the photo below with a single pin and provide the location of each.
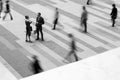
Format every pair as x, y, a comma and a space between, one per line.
39, 23
7, 10
84, 18
28, 28
1, 7
73, 48
89, 2
56, 18
113, 14
35, 65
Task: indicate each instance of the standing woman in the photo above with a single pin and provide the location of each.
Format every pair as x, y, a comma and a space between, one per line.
28, 28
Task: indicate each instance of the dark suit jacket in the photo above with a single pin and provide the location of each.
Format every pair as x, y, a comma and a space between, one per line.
114, 13
40, 20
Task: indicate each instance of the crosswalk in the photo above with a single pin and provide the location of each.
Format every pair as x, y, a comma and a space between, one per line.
101, 36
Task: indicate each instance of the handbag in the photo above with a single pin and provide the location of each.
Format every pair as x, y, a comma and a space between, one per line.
36, 24
35, 32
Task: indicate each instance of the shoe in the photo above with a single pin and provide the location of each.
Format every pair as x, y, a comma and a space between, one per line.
30, 41
88, 3
11, 18
113, 26
37, 39
42, 39
84, 32
26, 40
53, 28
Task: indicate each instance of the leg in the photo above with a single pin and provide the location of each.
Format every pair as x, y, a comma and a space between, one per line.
0, 13
81, 25
26, 37
41, 35
1, 9
4, 16
29, 36
55, 23
85, 25
113, 22
76, 58
69, 54
88, 1
37, 31
11, 16
54, 27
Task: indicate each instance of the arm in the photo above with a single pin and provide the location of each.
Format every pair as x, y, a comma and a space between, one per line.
111, 12
37, 19
116, 12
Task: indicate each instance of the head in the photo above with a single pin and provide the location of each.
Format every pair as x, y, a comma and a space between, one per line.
84, 8
70, 35
34, 57
39, 14
7, 1
113, 5
26, 17
56, 9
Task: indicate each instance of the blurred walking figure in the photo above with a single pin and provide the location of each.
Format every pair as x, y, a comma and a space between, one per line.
113, 14
28, 29
36, 68
39, 23
56, 18
73, 48
7, 10
84, 18
89, 2
1, 7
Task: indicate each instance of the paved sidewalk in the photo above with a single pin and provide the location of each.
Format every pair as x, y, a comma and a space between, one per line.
17, 53
7, 72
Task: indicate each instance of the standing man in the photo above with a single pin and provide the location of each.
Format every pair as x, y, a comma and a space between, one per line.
84, 18
7, 10
56, 18
114, 14
1, 7
39, 23
73, 48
